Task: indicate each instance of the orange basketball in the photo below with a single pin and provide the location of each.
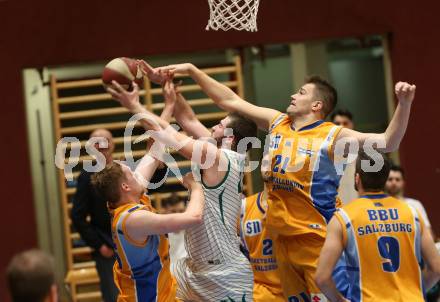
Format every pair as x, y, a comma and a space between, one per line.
122, 70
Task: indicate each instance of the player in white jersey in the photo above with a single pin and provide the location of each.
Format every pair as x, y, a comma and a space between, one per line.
215, 270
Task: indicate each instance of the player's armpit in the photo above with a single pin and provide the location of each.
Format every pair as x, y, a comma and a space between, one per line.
349, 139
216, 172
228, 100
262, 116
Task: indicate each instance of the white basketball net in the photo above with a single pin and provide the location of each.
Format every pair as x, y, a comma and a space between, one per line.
233, 14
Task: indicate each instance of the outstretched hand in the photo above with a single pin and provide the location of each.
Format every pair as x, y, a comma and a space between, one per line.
128, 99
405, 92
184, 68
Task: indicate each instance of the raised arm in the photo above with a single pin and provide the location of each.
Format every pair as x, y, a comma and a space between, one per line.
224, 97
397, 127
330, 253
149, 163
187, 119
141, 224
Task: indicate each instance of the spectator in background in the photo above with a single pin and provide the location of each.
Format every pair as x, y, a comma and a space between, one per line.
31, 278
175, 204
97, 232
346, 189
343, 118
395, 187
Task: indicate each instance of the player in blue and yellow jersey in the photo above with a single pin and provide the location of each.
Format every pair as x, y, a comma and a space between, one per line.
303, 186
258, 246
142, 269
384, 240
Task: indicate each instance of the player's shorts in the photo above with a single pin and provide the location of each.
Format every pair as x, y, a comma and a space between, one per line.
297, 258
213, 282
263, 293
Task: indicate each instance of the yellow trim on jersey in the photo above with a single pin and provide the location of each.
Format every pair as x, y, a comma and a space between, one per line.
259, 245
127, 236
304, 179
382, 248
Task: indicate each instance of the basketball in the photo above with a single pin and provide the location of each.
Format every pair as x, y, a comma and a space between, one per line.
122, 70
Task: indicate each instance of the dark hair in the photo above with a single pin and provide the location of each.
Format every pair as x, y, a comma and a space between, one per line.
342, 112
30, 276
241, 127
107, 182
373, 181
398, 169
326, 92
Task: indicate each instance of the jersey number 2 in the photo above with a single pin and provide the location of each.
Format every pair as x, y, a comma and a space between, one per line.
389, 249
267, 247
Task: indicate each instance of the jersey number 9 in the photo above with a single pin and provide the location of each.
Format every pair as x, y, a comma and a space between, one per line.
389, 250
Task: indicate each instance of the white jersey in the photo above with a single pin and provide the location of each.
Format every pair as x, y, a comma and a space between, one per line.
216, 269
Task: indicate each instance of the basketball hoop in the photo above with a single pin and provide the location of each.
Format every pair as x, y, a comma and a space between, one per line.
233, 14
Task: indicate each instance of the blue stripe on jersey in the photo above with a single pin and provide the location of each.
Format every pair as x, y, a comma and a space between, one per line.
352, 259
277, 121
417, 245
374, 196
144, 263
308, 127
347, 268
340, 276
325, 180
118, 260
417, 235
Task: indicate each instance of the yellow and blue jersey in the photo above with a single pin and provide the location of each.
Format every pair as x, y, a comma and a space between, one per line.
303, 180
259, 246
381, 235
142, 269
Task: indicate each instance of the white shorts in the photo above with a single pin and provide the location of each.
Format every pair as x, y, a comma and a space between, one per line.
213, 282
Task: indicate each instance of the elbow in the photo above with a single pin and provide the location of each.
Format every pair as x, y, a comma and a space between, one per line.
197, 219
193, 219
391, 145
391, 148
322, 280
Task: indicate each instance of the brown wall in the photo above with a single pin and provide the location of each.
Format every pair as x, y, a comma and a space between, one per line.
41, 33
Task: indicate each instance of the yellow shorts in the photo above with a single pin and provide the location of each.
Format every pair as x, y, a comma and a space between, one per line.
263, 293
297, 258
